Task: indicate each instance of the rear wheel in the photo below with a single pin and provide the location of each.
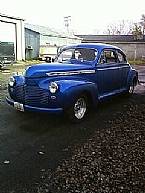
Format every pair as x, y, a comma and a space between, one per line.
131, 88
79, 109
1, 65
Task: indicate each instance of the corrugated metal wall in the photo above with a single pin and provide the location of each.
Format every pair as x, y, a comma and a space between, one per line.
133, 51
32, 44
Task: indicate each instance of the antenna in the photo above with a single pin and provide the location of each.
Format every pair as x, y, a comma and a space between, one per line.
67, 22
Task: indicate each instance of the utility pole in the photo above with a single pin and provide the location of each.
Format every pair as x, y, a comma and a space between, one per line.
67, 22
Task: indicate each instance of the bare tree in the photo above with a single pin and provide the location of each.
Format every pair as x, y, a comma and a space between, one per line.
137, 29
143, 23
123, 27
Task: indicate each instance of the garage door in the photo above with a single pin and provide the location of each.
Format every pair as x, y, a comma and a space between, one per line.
7, 41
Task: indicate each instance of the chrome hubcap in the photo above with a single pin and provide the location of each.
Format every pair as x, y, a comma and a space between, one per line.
131, 89
80, 108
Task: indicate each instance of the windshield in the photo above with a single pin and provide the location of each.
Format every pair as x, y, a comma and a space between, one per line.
76, 55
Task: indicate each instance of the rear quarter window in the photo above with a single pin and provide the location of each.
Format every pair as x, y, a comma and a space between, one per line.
108, 57
121, 57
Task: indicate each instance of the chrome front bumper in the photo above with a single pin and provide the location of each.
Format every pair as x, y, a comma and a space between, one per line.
36, 109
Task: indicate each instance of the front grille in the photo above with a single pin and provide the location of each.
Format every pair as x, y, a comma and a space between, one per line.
36, 96
17, 93
31, 95
32, 82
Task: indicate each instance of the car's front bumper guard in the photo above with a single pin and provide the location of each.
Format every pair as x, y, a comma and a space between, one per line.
36, 109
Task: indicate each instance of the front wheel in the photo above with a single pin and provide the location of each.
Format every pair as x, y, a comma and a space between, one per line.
79, 109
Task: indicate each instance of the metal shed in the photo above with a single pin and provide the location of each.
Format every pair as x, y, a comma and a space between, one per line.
46, 40
32, 44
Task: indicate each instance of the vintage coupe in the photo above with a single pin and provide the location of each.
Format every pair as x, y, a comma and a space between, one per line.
81, 76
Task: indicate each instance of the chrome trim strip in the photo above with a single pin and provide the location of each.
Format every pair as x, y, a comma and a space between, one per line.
109, 68
112, 93
71, 73
112, 68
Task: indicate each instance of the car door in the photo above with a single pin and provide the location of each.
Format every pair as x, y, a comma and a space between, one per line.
108, 73
124, 69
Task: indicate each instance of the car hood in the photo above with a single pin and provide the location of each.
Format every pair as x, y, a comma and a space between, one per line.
56, 69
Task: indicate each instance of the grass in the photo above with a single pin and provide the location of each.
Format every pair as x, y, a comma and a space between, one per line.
26, 62
8, 71
137, 62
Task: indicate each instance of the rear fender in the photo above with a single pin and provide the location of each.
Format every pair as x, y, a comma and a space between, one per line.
133, 75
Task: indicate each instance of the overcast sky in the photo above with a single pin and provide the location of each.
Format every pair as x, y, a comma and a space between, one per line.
87, 16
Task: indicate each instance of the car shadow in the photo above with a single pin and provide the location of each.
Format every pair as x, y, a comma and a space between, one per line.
42, 123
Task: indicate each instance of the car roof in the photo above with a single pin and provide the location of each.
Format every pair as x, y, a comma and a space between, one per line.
98, 46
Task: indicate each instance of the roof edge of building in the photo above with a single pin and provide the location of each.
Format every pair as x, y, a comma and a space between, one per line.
35, 28
11, 17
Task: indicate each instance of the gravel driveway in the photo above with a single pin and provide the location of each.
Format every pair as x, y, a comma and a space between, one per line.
112, 159
105, 153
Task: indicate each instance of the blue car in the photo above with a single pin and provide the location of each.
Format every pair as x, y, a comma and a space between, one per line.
80, 77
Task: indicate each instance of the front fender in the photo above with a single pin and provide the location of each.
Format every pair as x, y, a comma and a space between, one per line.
70, 89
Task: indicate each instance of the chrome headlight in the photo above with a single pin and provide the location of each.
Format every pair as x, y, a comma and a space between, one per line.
53, 87
12, 81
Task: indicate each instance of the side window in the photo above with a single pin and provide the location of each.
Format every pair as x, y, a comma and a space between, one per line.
85, 54
108, 57
121, 57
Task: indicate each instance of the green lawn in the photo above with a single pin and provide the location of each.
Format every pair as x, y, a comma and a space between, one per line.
8, 71
137, 62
